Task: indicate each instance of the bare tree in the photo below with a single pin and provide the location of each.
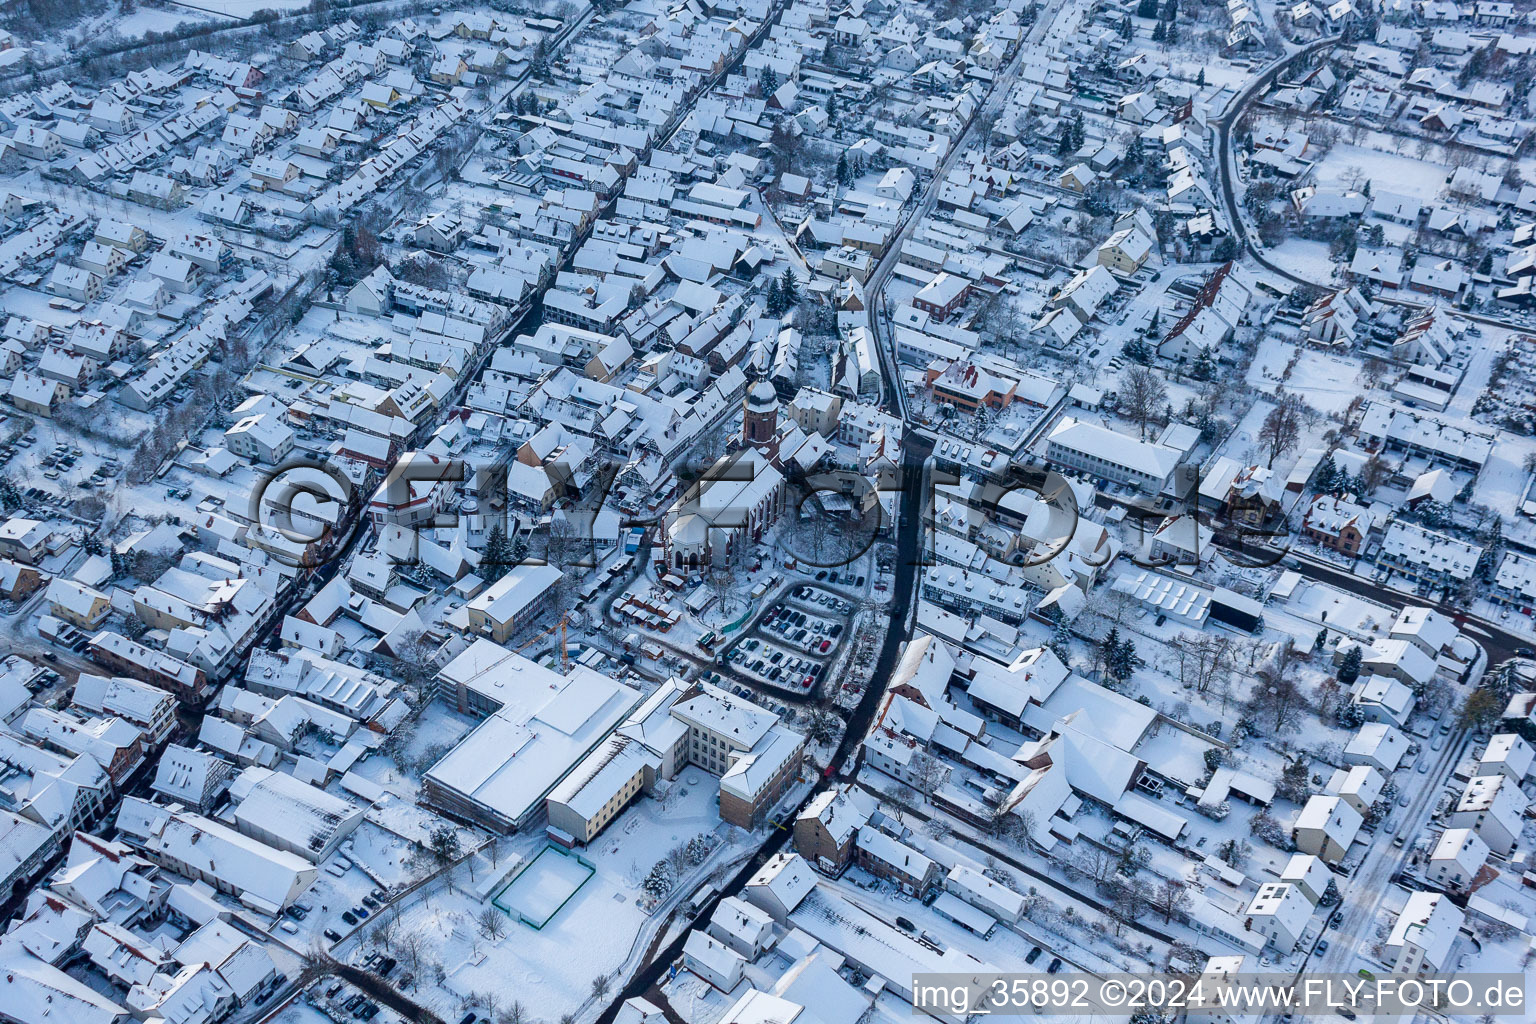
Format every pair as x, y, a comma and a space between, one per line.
492, 923
928, 771
727, 571
1169, 897
314, 963
1280, 703
386, 929
1129, 901
1142, 395
1098, 864
1281, 429
411, 949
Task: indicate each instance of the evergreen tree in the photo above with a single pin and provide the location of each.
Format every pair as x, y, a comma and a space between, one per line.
1146, 9
1060, 642
1349, 668
1327, 479
1204, 366
1160, 33
789, 290
1200, 81
1322, 639
1119, 656
1294, 781
767, 82
498, 553
843, 175
1079, 133
1137, 351
1170, 10
1173, 32
1127, 30
1121, 660
1107, 645
775, 298
831, 105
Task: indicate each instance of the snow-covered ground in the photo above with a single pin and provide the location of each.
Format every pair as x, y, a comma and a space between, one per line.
1349, 166
1325, 381
598, 932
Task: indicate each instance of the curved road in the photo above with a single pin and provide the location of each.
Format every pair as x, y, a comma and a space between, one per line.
1225, 164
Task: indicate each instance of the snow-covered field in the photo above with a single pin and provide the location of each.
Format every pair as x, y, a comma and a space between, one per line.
540, 889
1305, 258
596, 933
1326, 382
1348, 166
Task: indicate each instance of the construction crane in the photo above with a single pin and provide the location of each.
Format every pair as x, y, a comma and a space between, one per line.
565, 657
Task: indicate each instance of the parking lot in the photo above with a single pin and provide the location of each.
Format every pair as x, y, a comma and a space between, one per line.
63, 463
792, 645
771, 665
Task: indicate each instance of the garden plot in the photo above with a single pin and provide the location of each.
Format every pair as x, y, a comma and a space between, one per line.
537, 892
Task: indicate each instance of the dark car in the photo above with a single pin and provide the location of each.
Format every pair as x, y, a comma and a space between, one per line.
349, 917
331, 934
1322, 945
469, 1018
905, 925
1054, 966
836, 630
1034, 955
821, 575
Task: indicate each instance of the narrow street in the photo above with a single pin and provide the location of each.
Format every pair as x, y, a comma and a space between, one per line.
1367, 888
